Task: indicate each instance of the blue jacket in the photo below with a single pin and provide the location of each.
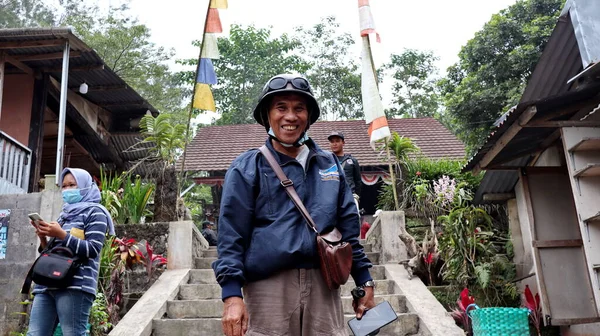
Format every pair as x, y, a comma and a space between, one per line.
260, 230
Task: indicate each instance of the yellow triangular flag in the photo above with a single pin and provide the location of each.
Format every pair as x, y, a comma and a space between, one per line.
203, 98
222, 4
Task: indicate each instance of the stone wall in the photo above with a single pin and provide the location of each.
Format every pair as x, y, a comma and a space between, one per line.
136, 280
156, 234
21, 250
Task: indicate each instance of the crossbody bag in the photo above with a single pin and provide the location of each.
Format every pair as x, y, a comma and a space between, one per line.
335, 255
54, 268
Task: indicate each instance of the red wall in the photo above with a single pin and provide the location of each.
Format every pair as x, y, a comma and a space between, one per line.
17, 99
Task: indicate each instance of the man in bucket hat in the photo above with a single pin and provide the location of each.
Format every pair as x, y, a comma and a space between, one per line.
265, 248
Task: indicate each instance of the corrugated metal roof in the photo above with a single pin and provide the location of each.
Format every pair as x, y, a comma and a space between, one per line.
528, 140
499, 181
117, 101
559, 62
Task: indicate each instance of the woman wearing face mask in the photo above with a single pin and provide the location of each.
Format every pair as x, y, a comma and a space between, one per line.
81, 226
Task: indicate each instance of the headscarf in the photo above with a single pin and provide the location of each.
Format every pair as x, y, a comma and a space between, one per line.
91, 197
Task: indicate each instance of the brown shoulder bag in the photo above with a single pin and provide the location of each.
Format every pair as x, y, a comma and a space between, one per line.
335, 256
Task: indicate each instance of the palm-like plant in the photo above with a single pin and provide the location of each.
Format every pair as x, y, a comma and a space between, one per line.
136, 195
401, 148
168, 138
109, 188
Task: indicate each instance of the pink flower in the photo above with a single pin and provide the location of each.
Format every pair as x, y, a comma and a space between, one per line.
418, 173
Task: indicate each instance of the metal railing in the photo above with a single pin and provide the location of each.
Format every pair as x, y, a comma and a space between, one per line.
15, 161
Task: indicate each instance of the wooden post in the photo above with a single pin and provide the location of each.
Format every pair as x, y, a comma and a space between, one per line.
2, 63
36, 129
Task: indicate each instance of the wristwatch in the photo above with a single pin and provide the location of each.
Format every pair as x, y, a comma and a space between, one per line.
369, 283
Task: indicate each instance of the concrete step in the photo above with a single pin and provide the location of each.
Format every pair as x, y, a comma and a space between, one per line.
373, 257
209, 253
407, 324
382, 287
377, 272
397, 301
180, 309
207, 276
212, 308
368, 247
205, 291
204, 263
202, 276
187, 327
199, 292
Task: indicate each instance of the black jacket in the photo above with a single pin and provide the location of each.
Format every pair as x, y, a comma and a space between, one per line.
352, 172
210, 236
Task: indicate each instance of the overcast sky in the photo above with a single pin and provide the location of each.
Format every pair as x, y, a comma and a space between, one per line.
442, 26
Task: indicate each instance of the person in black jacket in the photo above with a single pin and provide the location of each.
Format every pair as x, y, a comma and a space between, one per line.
349, 164
208, 233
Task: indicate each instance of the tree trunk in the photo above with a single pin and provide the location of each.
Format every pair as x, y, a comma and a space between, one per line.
165, 197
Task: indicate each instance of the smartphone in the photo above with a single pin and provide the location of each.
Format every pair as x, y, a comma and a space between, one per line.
373, 319
35, 218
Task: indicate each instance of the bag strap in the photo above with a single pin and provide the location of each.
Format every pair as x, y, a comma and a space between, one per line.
288, 185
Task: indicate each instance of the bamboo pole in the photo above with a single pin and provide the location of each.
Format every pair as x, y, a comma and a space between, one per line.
189, 121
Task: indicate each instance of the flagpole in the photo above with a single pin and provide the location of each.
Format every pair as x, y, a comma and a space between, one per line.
187, 131
389, 156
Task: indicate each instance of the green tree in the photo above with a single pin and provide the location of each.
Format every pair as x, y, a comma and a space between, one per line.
333, 71
494, 67
249, 57
124, 45
25, 13
118, 38
415, 84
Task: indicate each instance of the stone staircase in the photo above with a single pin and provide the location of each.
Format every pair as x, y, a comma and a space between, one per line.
197, 309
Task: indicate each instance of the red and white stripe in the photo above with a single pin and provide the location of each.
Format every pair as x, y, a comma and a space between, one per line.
367, 24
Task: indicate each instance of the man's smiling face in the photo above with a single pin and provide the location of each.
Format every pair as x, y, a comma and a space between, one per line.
288, 117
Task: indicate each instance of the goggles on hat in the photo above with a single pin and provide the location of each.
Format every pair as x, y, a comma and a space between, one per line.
279, 83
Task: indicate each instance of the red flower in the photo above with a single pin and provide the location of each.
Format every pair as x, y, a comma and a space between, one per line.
531, 302
429, 258
418, 173
465, 299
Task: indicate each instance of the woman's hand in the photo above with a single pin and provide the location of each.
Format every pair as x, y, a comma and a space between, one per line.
235, 317
364, 303
37, 231
51, 229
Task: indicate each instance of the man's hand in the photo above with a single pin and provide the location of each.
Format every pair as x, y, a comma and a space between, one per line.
51, 229
364, 303
235, 317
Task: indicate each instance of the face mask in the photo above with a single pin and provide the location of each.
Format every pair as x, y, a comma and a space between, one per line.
72, 196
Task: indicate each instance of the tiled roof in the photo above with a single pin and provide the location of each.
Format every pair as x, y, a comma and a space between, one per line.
215, 147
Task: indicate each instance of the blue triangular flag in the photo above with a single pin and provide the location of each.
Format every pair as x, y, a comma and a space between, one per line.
206, 72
